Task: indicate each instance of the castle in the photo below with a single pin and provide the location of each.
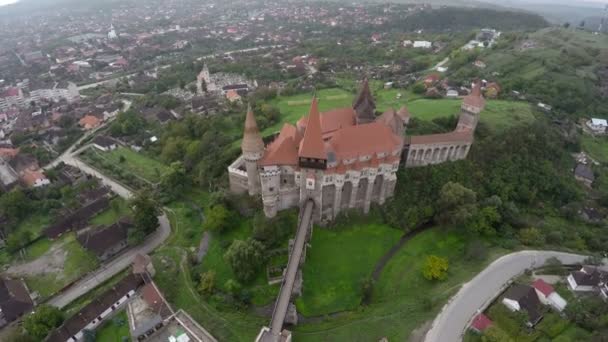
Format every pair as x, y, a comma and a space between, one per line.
345, 158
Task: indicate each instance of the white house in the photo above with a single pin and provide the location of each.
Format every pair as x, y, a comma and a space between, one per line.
524, 298
104, 143
599, 126
452, 93
547, 295
589, 279
423, 44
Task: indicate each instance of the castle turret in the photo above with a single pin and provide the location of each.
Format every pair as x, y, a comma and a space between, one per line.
471, 106
364, 105
253, 150
312, 160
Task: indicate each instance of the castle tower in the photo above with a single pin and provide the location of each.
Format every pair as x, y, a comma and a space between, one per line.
253, 150
471, 106
312, 160
364, 105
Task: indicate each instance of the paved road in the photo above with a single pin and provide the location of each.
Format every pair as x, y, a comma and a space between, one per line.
122, 261
454, 318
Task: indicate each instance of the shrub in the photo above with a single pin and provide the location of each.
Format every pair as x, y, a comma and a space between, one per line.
435, 268
206, 285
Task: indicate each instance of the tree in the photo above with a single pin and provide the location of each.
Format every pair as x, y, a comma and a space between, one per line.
18, 240
531, 236
435, 268
206, 285
174, 181
245, 258
419, 88
115, 205
566, 25
456, 204
218, 219
145, 212
484, 221
43, 320
14, 204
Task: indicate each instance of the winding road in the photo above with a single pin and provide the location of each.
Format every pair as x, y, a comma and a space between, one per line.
454, 318
123, 260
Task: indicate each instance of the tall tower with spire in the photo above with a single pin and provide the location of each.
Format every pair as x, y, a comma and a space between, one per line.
471, 107
312, 159
364, 105
253, 150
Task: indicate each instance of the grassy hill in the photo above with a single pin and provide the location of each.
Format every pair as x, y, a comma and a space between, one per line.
558, 66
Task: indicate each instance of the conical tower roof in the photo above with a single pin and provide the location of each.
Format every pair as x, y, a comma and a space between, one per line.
252, 140
365, 95
312, 144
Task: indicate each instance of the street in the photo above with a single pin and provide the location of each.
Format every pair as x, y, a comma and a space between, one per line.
123, 260
453, 319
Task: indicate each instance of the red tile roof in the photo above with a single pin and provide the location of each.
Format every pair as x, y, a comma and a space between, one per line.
89, 121
543, 287
332, 121
10, 92
481, 322
284, 149
475, 99
312, 143
365, 139
452, 137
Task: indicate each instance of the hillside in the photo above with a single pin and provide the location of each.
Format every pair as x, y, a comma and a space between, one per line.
565, 68
464, 19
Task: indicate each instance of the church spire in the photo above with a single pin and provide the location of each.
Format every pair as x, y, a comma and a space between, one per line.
252, 140
364, 104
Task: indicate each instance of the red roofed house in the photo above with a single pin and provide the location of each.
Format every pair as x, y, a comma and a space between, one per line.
548, 296
431, 79
34, 179
480, 323
344, 158
89, 122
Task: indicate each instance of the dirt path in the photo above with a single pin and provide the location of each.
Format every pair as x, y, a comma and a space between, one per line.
51, 262
391, 253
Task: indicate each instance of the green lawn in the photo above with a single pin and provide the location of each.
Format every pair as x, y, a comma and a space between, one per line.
294, 107
597, 148
136, 163
551, 328
333, 275
116, 330
111, 216
35, 224
498, 114
402, 300
78, 262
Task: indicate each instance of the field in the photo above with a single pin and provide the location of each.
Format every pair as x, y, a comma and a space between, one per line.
55, 266
116, 330
136, 163
333, 276
498, 114
596, 147
125, 165
402, 299
111, 216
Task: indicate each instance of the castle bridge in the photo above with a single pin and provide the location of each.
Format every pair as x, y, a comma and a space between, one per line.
275, 332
